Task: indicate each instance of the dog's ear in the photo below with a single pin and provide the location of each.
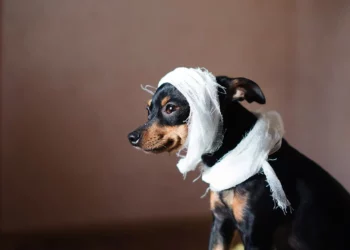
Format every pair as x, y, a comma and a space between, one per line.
241, 88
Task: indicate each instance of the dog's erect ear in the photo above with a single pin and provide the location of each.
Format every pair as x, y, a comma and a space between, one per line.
241, 88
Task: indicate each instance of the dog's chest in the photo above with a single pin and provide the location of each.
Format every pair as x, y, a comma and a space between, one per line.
229, 205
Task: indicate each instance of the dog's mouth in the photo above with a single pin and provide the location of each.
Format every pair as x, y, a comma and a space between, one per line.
158, 139
170, 145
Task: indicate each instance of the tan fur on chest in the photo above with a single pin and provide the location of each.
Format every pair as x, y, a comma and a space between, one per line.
236, 202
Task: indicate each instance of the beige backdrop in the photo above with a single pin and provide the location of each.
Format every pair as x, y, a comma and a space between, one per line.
71, 79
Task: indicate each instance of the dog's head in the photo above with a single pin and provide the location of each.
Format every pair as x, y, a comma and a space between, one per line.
166, 128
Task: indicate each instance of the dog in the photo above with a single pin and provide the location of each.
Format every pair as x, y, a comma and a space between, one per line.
320, 215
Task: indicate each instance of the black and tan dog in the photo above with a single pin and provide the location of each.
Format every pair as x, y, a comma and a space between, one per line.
321, 206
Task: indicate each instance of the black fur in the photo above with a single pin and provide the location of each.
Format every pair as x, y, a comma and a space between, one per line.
321, 206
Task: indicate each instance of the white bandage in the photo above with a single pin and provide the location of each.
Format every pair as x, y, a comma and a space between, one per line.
205, 135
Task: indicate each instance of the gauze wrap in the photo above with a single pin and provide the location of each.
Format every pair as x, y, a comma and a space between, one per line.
205, 121
249, 157
205, 135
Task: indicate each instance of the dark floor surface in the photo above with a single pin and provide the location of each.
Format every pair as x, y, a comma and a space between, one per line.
171, 235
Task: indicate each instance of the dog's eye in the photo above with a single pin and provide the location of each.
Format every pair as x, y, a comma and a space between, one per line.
170, 108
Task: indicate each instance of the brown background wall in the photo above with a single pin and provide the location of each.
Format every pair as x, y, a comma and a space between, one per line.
71, 92
321, 90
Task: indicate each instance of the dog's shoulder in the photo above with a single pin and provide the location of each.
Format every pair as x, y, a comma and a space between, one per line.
307, 176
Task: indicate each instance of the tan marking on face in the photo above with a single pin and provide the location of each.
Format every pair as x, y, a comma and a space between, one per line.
179, 134
165, 100
239, 204
164, 138
149, 102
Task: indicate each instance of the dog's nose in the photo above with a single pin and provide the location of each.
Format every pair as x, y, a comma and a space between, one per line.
134, 137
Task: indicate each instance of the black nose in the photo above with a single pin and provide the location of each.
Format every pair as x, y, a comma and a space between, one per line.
134, 137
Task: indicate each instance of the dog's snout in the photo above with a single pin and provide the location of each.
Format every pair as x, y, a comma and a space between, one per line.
134, 138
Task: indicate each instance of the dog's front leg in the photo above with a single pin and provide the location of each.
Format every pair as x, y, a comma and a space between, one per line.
222, 231
223, 225
257, 247
258, 239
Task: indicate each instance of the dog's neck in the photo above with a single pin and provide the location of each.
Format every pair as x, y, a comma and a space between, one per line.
238, 121
240, 162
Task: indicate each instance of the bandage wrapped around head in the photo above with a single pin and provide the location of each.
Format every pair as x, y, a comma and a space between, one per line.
205, 120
